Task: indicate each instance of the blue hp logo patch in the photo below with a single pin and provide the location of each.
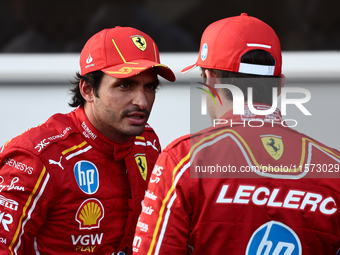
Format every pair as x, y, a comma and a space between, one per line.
274, 238
87, 176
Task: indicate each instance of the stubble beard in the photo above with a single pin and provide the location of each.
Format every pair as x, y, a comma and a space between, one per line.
132, 130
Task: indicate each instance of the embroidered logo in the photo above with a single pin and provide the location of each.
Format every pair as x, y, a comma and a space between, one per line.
52, 162
90, 213
139, 41
274, 237
87, 176
142, 164
89, 59
273, 145
41, 145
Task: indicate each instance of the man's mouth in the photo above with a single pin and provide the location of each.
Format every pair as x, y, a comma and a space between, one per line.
137, 118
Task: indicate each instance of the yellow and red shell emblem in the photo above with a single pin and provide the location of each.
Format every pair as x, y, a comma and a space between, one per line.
90, 213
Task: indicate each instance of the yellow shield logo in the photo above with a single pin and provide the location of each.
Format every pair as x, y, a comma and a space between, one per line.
139, 41
90, 213
142, 164
273, 145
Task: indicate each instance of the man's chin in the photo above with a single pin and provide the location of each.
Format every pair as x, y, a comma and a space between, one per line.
136, 130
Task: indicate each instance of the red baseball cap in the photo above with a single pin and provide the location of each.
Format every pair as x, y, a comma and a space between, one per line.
122, 52
225, 41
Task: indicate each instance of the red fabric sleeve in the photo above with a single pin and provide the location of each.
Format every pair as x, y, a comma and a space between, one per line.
163, 226
24, 183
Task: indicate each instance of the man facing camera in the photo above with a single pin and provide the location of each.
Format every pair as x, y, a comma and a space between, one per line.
75, 183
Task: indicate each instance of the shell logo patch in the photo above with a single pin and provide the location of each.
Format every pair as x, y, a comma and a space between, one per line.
90, 213
142, 164
273, 145
139, 41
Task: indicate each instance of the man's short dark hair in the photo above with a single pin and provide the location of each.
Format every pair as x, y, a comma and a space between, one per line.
92, 80
262, 84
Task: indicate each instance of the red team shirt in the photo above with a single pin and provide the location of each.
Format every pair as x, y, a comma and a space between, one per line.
67, 189
237, 189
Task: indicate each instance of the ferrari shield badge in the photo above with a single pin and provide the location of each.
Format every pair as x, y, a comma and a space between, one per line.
273, 145
142, 164
139, 41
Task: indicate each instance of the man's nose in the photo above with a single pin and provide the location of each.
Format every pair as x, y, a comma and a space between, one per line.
140, 99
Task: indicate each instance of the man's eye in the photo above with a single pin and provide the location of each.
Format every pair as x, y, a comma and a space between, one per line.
124, 85
151, 86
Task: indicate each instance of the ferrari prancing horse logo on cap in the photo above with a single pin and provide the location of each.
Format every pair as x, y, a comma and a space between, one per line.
139, 41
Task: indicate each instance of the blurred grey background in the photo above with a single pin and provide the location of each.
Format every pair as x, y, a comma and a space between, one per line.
38, 26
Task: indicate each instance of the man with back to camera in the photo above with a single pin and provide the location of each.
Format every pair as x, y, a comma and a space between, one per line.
249, 184
74, 184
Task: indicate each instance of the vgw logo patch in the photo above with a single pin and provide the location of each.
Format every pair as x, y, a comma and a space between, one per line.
273, 145
274, 238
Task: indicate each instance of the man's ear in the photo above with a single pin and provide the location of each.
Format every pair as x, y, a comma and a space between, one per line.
211, 78
209, 74
282, 83
86, 91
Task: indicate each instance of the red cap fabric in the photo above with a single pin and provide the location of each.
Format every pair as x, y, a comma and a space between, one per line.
225, 41
122, 52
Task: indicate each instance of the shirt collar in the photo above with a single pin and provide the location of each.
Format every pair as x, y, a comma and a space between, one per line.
230, 119
100, 141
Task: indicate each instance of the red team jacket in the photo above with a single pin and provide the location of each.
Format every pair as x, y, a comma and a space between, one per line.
240, 189
67, 189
